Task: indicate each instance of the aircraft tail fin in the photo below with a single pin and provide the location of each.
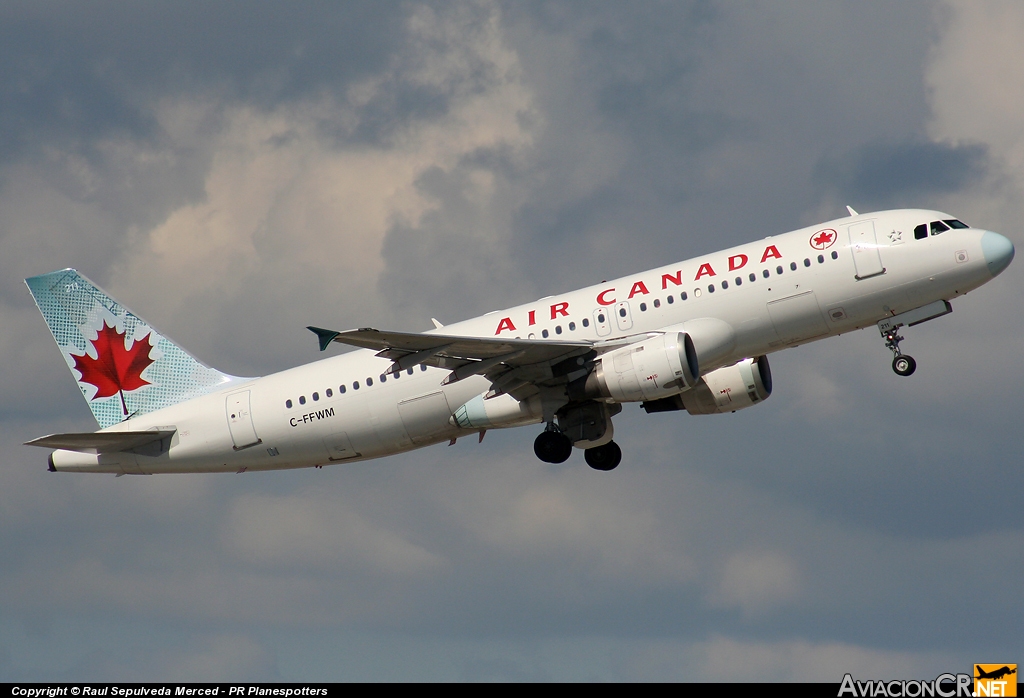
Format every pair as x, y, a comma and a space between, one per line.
123, 366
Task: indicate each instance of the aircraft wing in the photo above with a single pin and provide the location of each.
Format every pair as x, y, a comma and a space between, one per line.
516, 366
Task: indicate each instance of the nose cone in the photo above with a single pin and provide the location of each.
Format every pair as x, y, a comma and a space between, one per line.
998, 251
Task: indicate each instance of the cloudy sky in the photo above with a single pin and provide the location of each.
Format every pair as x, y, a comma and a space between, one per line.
234, 171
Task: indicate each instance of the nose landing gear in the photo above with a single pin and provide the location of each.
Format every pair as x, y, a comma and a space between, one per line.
902, 364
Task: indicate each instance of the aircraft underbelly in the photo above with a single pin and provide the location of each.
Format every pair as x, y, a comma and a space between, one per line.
426, 417
797, 317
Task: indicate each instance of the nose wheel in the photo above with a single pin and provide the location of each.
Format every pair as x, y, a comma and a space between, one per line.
902, 364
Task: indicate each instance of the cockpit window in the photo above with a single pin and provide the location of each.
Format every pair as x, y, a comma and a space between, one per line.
921, 231
939, 227
955, 224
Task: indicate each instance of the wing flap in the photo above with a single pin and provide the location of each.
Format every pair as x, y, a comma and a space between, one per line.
102, 441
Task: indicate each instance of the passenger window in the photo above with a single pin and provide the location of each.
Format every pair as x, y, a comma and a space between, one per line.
341, 389
398, 374
369, 381
383, 378
696, 293
792, 266
355, 385
657, 302
302, 399
671, 300
739, 280
572, 326
955, 224
711, 288
622, 313
409, 371
835, 255
682, 296
600, 318
330, 393
752, 277
725, 285
316, 396
921, 231
643, 308
807, 262
821, 259
544, 334
586, 322
778, 270
558, 329
423, 367
288, 404
766, 273
939, 227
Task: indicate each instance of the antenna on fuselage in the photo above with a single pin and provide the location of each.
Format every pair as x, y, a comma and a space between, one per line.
852, 212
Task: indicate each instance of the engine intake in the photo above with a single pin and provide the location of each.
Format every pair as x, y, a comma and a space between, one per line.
648, 370
727, 389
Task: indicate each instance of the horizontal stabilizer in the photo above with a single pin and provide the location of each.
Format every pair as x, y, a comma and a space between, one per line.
102, 441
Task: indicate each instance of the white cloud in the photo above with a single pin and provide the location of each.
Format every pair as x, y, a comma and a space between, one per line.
296, 201
976, 80
756, 581
729, 659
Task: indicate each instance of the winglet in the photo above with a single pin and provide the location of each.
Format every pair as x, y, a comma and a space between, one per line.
325, 336
437, 324
852, 212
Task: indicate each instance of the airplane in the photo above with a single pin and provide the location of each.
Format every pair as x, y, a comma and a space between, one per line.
994, 674
691, 336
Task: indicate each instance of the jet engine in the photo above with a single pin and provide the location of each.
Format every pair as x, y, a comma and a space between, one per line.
727, 389
649, 370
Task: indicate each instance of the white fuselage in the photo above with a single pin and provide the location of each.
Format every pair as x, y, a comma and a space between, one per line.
777, 292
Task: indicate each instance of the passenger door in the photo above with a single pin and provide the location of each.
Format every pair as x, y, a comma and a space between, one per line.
864, 246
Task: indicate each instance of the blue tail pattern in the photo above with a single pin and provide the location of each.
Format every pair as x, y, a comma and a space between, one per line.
78, 312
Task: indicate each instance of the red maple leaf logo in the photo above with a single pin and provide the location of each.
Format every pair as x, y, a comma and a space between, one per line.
823, 239
115, 369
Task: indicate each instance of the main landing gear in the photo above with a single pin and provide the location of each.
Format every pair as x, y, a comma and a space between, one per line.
552, 446
902, 364
605, 457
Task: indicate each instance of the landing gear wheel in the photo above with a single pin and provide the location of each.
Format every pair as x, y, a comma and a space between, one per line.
605, 457
904, 365
552, 447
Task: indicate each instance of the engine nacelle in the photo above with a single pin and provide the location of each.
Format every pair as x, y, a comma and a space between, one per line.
723, 390
498, 412
648, 370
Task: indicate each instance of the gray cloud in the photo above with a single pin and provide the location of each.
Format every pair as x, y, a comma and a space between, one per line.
891, 175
